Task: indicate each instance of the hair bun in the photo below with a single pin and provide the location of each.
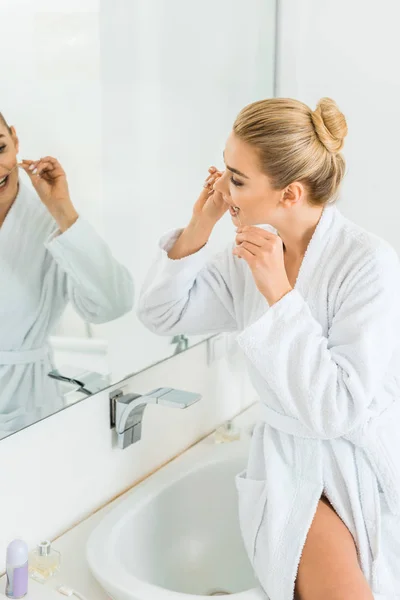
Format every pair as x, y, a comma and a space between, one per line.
330, 125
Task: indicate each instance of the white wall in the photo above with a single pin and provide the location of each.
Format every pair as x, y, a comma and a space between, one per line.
349, 50
58, 471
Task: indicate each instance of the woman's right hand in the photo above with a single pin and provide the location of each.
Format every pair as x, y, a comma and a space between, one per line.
207, 211
50, 182
210, 206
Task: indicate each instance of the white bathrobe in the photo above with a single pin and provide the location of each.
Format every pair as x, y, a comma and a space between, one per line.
325, 360
40, 271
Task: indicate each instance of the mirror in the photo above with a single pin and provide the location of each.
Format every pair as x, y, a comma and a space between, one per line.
134, 101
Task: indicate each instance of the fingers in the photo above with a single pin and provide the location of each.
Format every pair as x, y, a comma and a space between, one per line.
254, 240
213, 176
243, 252
251, 248
251, 237
266, 235
36, 171
256, 245
206, 192
26, 164
42, 167
30, 166
47, 167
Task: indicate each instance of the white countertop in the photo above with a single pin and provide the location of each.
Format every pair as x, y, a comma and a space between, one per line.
75, 572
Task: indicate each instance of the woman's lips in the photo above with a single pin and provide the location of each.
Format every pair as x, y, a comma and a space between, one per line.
4, 183
234, 210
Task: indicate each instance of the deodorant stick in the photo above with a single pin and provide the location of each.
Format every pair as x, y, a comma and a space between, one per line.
17, 569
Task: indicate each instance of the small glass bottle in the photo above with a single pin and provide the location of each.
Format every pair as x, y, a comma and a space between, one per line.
44, 562
227, 432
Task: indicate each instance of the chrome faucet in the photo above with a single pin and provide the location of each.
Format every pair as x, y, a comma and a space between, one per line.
126, 410
182, 342
87, 382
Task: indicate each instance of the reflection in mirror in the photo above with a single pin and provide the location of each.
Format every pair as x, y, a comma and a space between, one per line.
49, 256
129, 105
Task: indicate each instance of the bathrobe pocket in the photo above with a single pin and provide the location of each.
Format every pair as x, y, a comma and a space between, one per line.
382, 446
252, 498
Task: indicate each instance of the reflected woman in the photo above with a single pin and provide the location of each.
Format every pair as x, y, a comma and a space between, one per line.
49, 256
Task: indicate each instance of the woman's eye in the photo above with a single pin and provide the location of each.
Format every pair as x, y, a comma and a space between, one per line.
236, 182
2, 148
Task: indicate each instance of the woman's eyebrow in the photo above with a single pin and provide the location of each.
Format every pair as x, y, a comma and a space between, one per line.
235, 170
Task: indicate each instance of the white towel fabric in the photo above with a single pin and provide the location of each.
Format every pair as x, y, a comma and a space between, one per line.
325, 361
40, 271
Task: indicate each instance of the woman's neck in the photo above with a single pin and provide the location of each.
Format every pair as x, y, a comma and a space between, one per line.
297, 230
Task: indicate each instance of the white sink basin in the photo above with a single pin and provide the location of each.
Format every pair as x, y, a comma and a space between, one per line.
177, 536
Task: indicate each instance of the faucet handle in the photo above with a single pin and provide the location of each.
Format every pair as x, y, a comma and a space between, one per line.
174, 398
126, 410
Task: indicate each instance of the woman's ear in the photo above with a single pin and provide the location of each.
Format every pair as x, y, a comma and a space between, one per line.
293, 193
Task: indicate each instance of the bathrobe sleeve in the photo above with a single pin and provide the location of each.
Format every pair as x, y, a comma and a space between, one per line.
98, 286
328, 383
189, 295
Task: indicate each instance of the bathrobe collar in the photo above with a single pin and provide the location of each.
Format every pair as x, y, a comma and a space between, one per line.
13, 223
317, 247
316, 252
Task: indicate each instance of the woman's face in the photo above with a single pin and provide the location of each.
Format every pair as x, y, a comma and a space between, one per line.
245, 188
8, 160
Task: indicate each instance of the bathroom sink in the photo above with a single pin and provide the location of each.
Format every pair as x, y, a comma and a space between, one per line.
177, 536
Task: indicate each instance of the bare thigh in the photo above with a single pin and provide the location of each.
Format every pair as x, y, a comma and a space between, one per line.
329, 566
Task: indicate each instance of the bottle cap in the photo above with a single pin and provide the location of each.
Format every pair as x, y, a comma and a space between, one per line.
17, 553
44, 548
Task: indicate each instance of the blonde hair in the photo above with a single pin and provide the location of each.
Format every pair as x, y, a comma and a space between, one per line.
295, 143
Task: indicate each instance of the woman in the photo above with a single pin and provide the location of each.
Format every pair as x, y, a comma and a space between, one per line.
315, 299
49, 256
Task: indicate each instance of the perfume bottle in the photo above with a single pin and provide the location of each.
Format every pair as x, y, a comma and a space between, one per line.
227, 432
44, 562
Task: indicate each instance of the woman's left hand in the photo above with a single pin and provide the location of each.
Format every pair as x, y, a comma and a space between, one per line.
50, 182
263, 252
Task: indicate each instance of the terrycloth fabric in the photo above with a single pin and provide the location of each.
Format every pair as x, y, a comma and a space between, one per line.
40, 271
325, 361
